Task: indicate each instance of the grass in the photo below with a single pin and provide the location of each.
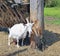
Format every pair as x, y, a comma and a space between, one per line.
52, 12
55, 22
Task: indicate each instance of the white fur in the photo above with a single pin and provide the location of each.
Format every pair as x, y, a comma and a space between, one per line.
19, 31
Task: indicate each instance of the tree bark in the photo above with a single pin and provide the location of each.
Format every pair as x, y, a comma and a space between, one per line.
37, 11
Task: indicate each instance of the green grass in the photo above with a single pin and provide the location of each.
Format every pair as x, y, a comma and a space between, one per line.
52, 12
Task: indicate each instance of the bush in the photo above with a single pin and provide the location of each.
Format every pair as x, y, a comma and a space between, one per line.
52, 3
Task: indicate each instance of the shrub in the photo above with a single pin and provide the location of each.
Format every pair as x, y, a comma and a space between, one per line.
52, 3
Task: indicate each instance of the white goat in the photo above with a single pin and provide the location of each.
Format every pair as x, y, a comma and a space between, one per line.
19, 31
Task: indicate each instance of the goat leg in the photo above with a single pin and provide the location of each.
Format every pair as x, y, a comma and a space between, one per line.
22, 41
17, 42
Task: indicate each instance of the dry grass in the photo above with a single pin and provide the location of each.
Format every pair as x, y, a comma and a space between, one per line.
52, 35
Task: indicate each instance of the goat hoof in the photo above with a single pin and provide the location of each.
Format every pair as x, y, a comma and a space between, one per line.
17, 46
8, 44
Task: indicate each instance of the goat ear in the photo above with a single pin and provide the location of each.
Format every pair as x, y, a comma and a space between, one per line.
27, 20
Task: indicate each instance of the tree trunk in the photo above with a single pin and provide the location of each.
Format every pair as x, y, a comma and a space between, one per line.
37, 11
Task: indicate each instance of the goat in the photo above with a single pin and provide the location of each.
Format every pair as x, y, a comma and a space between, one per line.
19, 31
36, 34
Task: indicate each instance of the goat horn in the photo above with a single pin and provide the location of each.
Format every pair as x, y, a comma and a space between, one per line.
27, 20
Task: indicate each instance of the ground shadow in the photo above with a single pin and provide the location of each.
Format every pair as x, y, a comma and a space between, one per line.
51, 37
16, 52
26, 41
5, 29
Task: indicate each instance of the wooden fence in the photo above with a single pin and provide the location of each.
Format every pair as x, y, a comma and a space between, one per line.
12, 15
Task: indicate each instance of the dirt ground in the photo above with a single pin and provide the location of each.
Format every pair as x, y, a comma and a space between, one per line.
52, 36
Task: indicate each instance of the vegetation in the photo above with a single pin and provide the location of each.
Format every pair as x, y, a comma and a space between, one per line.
52, 3
52, 11
54, 14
